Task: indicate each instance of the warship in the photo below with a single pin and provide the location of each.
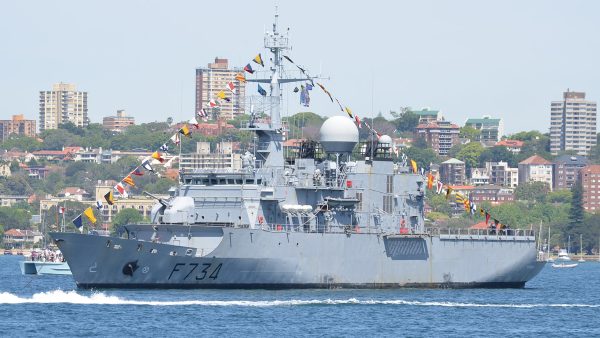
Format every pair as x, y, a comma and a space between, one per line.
337, 213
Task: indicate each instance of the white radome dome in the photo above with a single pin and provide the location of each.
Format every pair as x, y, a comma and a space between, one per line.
385, 140
338, 134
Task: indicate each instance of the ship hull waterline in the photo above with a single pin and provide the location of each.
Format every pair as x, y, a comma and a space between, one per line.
250, 259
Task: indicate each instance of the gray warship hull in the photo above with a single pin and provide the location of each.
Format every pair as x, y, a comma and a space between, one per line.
333, 213
247, 258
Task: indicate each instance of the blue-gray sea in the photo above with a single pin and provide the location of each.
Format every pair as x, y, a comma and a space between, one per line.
557, 303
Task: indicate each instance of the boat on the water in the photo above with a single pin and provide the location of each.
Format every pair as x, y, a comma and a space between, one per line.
564, 266
563, 255
45, 262
45, 268
335, 213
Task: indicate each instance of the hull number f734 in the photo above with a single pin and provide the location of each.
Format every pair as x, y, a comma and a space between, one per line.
197, 271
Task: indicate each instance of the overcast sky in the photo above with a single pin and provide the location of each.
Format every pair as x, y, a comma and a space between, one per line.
507, 59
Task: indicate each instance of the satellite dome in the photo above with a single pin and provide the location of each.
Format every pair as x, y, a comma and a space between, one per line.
384, 141
338, 134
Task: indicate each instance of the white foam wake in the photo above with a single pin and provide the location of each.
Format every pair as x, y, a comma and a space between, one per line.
72, 297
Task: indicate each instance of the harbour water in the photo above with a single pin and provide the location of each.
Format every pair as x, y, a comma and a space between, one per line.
557, 302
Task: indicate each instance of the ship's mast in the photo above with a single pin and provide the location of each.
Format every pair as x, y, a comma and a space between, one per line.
276, 43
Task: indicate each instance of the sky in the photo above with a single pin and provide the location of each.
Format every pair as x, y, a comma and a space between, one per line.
507, 59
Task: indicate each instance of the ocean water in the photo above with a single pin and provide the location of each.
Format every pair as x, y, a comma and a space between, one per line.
558, 302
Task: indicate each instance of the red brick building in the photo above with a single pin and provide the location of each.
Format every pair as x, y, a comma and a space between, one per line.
590, 181
439, 135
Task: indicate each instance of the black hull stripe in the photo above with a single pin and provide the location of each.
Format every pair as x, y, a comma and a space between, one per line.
491, 285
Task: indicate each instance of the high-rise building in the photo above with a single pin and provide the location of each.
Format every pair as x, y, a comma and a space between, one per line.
63, 104
118, 123
572, 124
439, 135
213, 79
491, 130
18, 126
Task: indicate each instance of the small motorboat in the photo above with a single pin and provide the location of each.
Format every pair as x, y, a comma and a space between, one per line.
563, 255
564, 266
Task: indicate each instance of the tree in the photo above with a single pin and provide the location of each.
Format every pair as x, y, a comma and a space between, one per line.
576, 213
470, 133
405, 121
532, 191
470, 154
127, 216
497, 154
423, 157
560, 196
14, 218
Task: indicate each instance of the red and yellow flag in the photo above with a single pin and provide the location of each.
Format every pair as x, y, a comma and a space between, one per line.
129, 181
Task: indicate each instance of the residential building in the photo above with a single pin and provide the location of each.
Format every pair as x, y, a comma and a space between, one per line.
18, 125
479, 176
492, 193
439, 135
63, 104
566, 170
452, 172
10, 200
19, 156
20, 239
119, 122
74, 194
572, 124
212, 80
223, 157
502, 175
535, 169
427, 116
590, 182
513, 146
491, 130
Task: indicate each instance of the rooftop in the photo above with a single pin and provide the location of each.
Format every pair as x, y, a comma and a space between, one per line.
437, 125
511, 143
572, 159
535, 159
486, 121
453, 161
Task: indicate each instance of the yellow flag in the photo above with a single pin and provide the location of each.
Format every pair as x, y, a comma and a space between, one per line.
129, 181
413, 164
185, 130
89, 213
349, 112
221, 95
258, 59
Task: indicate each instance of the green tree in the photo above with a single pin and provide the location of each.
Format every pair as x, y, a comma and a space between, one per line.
423, 157
470, 133
497, 154
22, 143
576, 213
439, 203
470, 154
405, 121
560, 196
14, 218
127, 216
532, 191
